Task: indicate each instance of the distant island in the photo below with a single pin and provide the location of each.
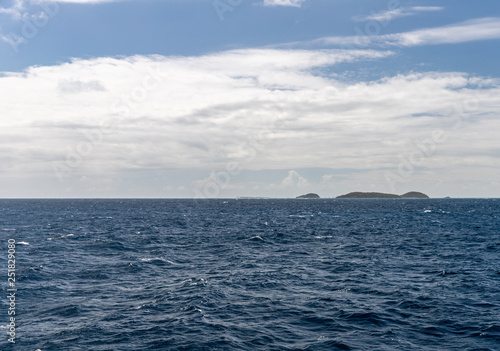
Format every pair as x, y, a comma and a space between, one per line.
308, 196
360, 195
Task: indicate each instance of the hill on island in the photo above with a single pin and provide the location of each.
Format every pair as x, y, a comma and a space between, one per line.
308, 196
361, 195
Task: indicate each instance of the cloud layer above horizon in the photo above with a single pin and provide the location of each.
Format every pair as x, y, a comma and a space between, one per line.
202, 113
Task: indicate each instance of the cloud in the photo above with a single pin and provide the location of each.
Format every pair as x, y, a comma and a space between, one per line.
35, 14
385, 16
15, 10
77, 86
472, 30
326, 178
152, 101
292, 3
294, 180
12, 41
155, 113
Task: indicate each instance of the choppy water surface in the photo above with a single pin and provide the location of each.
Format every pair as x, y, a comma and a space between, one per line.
254, 274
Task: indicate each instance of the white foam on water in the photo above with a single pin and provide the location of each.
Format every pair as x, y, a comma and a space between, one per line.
149, 259
200, 282
257, 237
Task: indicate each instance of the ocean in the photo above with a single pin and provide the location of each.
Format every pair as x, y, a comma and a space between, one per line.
251, 274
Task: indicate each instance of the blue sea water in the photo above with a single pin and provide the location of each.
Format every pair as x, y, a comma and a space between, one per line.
253, 274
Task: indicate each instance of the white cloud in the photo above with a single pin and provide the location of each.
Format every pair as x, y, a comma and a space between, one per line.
210, 95
295, 181
389, 15
77, 86
292, 3
35, 14
199, 113
15, 10
473, 30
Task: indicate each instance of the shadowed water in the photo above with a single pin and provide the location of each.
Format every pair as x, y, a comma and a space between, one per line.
254, 274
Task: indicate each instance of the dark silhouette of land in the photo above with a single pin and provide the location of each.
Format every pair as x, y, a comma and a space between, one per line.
308, 196
360, 195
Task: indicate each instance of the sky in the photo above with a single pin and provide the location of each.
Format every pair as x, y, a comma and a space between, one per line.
252, 98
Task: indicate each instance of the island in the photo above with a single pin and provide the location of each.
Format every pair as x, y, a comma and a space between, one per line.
361, 195
414, 195
308, 196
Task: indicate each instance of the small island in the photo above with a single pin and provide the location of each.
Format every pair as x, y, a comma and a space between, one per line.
308, 196
361, 195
